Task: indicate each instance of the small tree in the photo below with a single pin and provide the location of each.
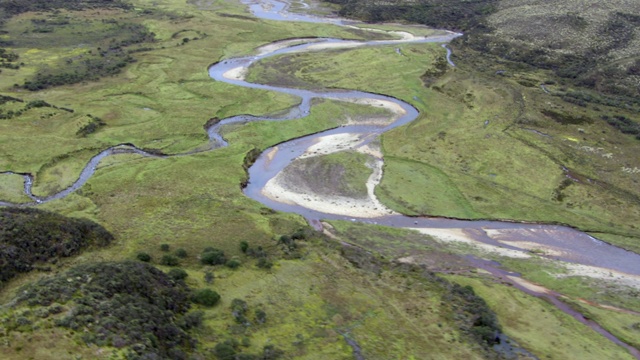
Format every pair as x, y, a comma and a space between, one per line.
206, 297
244, 246
224, 351
169, 260
261, 316
142, 256
177, 274
213, 257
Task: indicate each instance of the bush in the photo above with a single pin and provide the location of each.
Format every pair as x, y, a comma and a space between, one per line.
224, 351
181, 253
169, 260
244, 246
142, 256
213, 256
192, 320
177, 274
233, 264
264, 263
206, 297
165, 247
261, 316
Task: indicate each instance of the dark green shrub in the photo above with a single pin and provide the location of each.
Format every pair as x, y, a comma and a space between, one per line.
165, 247
213, 256
192, 320
206, 297
181, 253
239, 309
270, 352
261, 316
142, 256
224, 351
177, 274
169, 260
233, 264
264, 263
244, 246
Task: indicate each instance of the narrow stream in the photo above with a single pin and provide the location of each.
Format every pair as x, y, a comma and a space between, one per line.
563, 243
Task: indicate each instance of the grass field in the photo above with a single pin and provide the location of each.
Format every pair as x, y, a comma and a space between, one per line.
483, 143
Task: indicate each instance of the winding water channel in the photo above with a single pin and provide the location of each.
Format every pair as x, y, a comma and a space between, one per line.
518, 239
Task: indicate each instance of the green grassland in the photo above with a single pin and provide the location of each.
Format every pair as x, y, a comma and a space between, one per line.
319, 291
489, 146
11, 188
521, 315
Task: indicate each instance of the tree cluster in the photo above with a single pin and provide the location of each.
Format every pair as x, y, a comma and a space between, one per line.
624, 124
455, 14
127, 304
29, 237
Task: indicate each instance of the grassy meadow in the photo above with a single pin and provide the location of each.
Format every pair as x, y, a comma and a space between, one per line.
482, 148
486, 146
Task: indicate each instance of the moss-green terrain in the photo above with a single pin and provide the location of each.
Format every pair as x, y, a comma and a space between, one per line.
81, 76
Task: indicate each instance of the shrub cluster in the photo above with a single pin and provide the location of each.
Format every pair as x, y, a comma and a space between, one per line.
437, 13
473, 315
15, 7
124, 304
30, 236
624, 124
230, 349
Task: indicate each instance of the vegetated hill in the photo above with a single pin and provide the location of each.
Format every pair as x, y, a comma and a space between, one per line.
14, 7
594, 44
29, 237
130, 306
457, 14
597, 44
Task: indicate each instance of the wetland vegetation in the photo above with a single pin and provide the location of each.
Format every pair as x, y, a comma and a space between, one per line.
183, 265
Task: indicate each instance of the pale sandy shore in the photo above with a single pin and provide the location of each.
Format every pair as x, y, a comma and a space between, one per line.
458, 235
285, 191
238, 73
278, 45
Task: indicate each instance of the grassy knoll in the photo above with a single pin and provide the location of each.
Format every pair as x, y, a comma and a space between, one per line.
495, 146
342, 174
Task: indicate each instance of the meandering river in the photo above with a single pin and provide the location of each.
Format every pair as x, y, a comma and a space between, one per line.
565, 244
